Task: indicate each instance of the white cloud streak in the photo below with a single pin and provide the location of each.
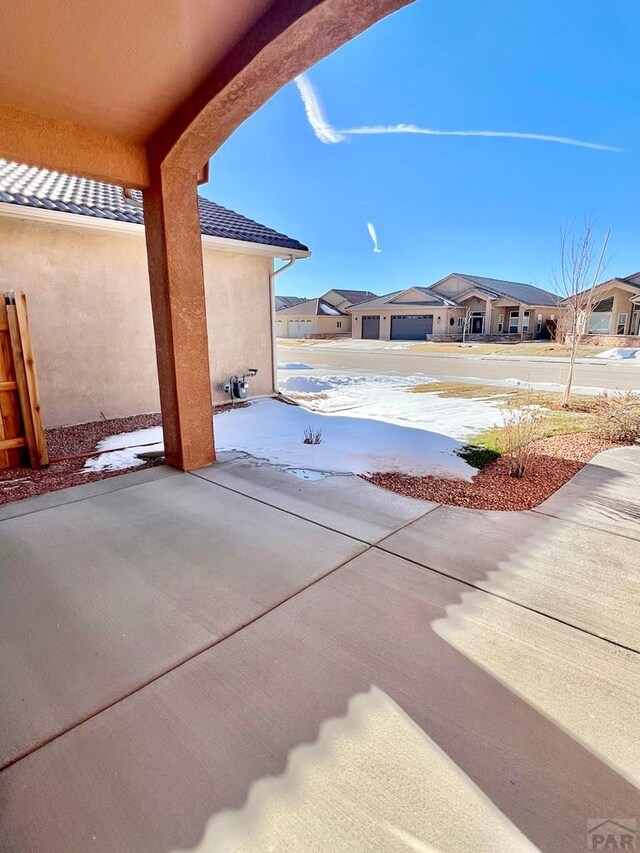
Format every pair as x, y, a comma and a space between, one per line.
507, 134
315, 116
374, 237
329, 135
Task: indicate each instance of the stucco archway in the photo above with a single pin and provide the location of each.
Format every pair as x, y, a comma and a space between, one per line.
142, 95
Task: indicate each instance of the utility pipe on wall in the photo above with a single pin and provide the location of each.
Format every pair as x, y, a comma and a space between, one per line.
272, 297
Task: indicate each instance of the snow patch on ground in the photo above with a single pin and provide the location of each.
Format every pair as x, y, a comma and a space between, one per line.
118, 459
621, 352
294, 365
317, 384
273, 431
588, 390
389, 399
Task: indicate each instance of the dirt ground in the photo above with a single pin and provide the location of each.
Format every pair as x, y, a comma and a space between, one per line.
530, 348
557, 460
68, 447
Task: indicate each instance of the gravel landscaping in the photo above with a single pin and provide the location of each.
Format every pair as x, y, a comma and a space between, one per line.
71, 441
557, 460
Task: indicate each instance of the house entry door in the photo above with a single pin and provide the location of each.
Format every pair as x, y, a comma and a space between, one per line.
477, 324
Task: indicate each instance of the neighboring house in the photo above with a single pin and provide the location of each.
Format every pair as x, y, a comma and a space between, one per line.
618, 311
287, 301
410, 314
345, 299
311, 317
77, 249
490, 308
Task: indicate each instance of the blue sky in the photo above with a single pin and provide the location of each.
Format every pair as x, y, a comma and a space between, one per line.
485, 206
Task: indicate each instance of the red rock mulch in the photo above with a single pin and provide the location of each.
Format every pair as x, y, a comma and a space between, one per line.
557, 460
17, 483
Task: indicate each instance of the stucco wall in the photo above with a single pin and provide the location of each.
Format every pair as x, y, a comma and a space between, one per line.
313, 325
439, 326
90, 314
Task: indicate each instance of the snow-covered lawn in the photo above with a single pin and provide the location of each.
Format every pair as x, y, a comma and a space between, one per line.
389, 399
628, 353
274, 431
368, 424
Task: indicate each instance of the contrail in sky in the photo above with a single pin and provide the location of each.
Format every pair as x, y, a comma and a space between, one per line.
318, 122
328, 134
374, 237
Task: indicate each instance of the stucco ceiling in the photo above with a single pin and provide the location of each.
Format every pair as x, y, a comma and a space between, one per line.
119, 66
112, 89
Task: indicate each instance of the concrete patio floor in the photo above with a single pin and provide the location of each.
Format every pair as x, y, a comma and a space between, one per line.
236, 659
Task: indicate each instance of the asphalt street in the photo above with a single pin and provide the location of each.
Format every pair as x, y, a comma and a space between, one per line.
612, 375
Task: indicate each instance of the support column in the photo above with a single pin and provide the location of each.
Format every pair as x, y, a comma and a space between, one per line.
176, 275
487, 317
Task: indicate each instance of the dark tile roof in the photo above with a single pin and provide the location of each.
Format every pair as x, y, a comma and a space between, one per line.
287, 301
433, 299
41, 188
528, 294
312, 308
632, 280
355, 296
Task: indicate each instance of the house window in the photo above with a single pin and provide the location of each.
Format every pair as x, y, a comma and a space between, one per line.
539, 324
525, 321
621, 328
599, 323
500, 323
460, 322
513, 322
339, 324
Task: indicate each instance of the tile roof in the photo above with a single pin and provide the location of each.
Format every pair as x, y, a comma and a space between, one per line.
434, 299
632, 280
354, 296
44, 189
528, 294
287, 301
312, 308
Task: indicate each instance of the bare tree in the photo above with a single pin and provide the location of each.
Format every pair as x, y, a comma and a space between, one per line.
466, 324
577, 284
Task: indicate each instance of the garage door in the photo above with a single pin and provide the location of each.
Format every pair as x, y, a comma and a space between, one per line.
300, 328
411, 327
371, 328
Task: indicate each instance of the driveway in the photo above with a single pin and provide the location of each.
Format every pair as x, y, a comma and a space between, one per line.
236, 659
338, 357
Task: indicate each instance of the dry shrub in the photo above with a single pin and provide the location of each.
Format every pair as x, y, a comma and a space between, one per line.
312, 435
522, 426
618, 416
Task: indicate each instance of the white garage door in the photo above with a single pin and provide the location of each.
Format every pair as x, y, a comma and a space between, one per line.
300, 328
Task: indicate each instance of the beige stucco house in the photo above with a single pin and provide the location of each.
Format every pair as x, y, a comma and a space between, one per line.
327, 315
77, 249
482, 307
617, 313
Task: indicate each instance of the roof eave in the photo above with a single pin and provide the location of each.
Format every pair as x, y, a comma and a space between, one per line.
96, 223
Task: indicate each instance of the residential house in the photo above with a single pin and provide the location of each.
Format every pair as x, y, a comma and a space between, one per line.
410, 314
328, 315
617, 311
313, 317
287, 301
346, 299
76, 247
487, 307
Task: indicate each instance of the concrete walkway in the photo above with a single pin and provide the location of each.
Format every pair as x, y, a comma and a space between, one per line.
239, 660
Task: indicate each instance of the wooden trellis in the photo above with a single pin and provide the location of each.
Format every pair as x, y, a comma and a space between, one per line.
21, 431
